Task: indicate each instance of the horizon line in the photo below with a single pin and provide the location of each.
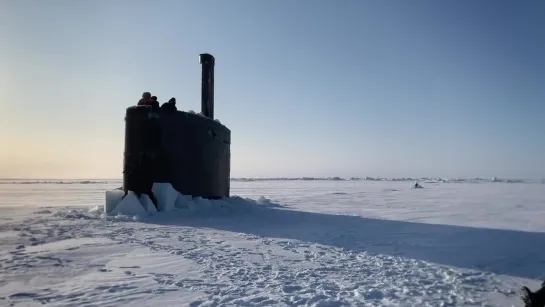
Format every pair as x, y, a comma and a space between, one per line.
298, 177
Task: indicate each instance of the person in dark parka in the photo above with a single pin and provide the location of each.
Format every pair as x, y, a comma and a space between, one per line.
154, 103
533, 299
170, 105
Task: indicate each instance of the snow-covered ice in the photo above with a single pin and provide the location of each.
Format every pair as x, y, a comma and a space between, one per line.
280, 243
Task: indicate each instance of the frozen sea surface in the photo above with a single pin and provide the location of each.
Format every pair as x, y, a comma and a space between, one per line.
291, 243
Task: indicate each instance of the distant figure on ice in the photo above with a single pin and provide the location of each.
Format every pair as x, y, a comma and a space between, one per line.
154, 103
417, 186
170, 105
533, 299
145, 100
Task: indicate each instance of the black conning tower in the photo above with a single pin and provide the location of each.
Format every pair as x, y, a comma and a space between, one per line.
190, 151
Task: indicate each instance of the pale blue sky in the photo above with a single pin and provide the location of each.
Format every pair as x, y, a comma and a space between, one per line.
308, 88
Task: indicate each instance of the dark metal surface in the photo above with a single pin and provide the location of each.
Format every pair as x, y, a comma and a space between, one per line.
141, 146
207, 84
190, 151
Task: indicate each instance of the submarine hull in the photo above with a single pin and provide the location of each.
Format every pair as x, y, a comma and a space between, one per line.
189, 151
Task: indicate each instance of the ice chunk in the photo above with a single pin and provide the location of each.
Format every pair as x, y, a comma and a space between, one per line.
263, 201
181, 201
112, 199
192, 205
148, 204
130, 205
166, 196
97, 209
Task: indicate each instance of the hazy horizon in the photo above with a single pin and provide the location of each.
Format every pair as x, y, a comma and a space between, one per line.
363, 88
298, 177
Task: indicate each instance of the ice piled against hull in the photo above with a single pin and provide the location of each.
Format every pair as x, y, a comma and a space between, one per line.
117, 203
168, 199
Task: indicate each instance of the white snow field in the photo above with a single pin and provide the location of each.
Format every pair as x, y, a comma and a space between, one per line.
291, 243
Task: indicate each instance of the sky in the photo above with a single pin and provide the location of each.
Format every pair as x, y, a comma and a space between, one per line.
308, 88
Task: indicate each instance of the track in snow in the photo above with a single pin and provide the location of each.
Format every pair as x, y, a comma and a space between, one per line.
267, 257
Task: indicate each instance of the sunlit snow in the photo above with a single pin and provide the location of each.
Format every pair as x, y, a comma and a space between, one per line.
305, 242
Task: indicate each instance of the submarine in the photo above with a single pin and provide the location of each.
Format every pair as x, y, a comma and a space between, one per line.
190, 151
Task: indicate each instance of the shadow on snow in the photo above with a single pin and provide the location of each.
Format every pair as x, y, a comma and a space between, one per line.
510, 252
